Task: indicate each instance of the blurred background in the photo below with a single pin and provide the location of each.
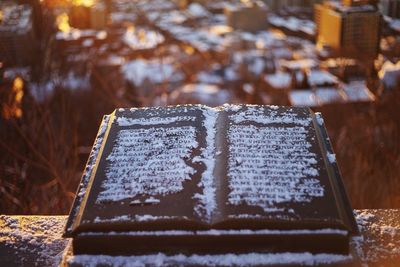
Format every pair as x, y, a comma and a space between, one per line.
66, 63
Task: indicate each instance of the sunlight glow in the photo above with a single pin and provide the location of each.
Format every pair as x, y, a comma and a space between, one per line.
86, 3
63, 23
189, 50
13, 107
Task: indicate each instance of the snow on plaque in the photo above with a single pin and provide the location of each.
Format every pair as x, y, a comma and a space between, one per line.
271, 164
148, 163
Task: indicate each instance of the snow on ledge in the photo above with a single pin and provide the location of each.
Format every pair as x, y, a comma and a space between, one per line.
249, 259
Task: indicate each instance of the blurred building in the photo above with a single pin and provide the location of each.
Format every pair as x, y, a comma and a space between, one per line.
207, 94
17, 35
85, 16
185, 3
37, 14
360, 2
279, 4
349, 28
390, 8
98, 16
79, 16
390, 75
248, 16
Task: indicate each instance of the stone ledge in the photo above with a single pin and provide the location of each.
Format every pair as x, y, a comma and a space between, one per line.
37, 240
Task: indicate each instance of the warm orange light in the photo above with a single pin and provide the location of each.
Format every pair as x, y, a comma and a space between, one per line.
18, 86
221, 29
86, 3
63, 23
13, 107
189, 50
142, 36
18, 90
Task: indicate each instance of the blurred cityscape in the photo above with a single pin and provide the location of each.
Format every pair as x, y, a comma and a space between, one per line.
66, 63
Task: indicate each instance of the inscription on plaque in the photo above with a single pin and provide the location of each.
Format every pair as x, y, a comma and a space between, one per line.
148, 162
195, 179
269, 165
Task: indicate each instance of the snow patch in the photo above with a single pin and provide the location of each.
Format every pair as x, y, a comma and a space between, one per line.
148, 162
331, 157
207, 197
250, 259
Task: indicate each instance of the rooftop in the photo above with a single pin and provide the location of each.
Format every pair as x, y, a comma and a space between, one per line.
340, 7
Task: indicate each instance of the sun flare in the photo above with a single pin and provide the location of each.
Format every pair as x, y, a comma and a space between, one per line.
86, 3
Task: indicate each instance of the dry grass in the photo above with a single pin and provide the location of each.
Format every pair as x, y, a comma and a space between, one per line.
366, 140
41, 159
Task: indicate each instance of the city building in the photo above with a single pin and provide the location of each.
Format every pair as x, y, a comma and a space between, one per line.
390, 8
248, 16
16, 31
37, 14
183, 4
277, 5
90, 15
349, 28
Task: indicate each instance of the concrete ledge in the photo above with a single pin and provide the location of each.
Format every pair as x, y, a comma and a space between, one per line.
37, 241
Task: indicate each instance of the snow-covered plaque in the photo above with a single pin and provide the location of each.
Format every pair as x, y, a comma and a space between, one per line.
275, 168
148, 162
189, 176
